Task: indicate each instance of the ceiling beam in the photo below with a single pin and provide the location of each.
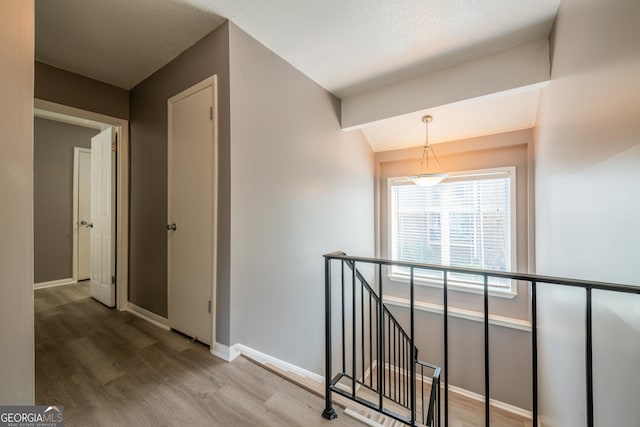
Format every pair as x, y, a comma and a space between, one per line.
513, 68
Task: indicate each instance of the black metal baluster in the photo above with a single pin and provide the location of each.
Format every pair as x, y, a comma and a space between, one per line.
362, 330
534, 352
328, 413
412, 368
370, 345
438, 400
422, 385
354, 331
487, 403
344, 350
389, 357
395, 362
403, 380
407, 369
445, 297
589, 359
380, 314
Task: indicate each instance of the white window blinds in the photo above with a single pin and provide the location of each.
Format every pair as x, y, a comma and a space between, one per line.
463, 222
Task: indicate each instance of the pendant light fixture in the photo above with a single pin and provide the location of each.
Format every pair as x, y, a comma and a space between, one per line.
427, 179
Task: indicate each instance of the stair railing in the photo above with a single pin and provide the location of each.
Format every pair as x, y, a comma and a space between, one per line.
433, 411
383, 367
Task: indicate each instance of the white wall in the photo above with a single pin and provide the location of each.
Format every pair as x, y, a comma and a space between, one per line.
16, 208
587, 209
300, 188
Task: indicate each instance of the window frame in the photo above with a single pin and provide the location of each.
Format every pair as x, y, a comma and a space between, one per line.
506, 291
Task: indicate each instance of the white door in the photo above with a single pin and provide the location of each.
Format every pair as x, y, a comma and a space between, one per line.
101, 215
191, 201
84, 212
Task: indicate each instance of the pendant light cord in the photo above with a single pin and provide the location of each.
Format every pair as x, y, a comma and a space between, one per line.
427, 147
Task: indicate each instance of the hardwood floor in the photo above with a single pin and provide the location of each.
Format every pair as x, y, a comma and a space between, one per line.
109, 368
463, 411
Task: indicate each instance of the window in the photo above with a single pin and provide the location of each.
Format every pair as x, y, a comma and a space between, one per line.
466, 221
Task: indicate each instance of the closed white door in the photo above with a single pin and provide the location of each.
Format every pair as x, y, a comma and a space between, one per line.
84, 213
191, 200
101, 286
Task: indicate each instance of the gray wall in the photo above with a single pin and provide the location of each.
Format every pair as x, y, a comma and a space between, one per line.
148, 123
587, 209
510, 348
16, 209
53, 144
67, 88
300, 187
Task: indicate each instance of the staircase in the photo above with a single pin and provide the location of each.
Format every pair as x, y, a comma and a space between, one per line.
373, 418
378, 365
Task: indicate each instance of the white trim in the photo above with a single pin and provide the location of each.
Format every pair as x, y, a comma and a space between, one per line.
469, 394
281, 364
65, 118
226, 353
89, 119
213, 82
147, 315
456, 285
53, 283
364, 420
265, 359
368, 371
493, 402
460, 313
505, 172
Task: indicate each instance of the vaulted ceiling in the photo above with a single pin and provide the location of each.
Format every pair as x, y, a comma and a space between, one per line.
350, 47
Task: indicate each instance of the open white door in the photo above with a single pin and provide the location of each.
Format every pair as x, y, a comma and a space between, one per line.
102, 288
191, 213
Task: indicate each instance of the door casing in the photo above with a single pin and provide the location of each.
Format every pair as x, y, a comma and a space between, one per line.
121, 260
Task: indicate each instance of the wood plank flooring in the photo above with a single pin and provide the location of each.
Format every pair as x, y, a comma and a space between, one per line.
109, 368
463, 411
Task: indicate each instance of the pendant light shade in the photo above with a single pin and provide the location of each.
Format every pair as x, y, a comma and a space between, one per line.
427, 179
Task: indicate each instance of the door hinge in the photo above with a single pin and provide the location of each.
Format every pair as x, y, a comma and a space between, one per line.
209, 306
114, 147
210, 113
113, 280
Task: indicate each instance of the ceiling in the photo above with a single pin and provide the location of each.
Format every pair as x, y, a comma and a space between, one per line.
503, 112
348, 47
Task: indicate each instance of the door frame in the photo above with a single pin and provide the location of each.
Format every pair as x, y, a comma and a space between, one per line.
213, 82
76, 197
88, 118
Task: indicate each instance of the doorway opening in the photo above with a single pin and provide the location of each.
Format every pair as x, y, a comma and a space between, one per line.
108, 221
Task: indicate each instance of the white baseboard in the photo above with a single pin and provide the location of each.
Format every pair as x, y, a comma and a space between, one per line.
230, 353
273, 361
470, 395
226, 353
150, 317
53, 283
494, 403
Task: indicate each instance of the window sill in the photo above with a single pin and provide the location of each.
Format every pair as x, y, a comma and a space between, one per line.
453, 285
495, 320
